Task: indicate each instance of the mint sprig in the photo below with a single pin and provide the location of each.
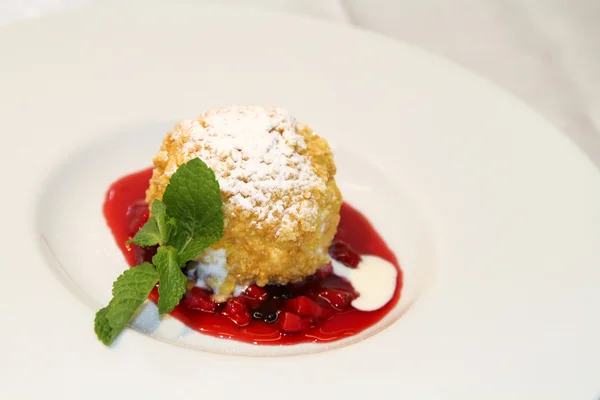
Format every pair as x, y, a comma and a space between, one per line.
185, 223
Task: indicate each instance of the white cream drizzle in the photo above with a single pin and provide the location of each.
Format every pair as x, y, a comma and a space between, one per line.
374, 279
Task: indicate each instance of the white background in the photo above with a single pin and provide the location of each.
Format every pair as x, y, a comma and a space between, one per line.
547, 52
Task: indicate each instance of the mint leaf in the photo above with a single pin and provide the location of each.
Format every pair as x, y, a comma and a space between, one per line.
102, 327
148, 235
130, 290
191, 246
193, 198
164, 223
157, 229
172, 280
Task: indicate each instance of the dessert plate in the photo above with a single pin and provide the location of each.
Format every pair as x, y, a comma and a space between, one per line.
493, 213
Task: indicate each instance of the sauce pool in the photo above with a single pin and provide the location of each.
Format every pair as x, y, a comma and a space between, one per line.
126, 211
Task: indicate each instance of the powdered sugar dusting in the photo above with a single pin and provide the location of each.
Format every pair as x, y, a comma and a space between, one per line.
256, 154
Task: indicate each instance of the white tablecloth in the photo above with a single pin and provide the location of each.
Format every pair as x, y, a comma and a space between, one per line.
545, 51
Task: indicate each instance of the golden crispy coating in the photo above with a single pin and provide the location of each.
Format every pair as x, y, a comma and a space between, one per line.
281, 208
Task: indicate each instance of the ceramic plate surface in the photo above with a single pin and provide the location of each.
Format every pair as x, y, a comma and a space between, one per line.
493, 214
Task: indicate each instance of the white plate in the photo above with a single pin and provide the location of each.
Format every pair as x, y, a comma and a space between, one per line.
494, 215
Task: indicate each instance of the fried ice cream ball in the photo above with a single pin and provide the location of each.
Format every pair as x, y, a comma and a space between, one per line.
280, 201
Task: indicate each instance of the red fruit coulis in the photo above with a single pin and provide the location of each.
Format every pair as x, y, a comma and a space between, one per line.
315, 310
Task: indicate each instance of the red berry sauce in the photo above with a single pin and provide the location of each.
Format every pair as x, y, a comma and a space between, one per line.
315, 310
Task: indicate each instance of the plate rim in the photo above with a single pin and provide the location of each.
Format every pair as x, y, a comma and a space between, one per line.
132, 339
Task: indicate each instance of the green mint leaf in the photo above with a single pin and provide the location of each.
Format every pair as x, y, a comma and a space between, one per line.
171, 280
164, 223
148, 235
102, 327
193, 199
130, 290
191, 246
157, 229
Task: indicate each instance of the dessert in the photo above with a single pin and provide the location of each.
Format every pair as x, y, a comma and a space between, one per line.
242, 226
280, 200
